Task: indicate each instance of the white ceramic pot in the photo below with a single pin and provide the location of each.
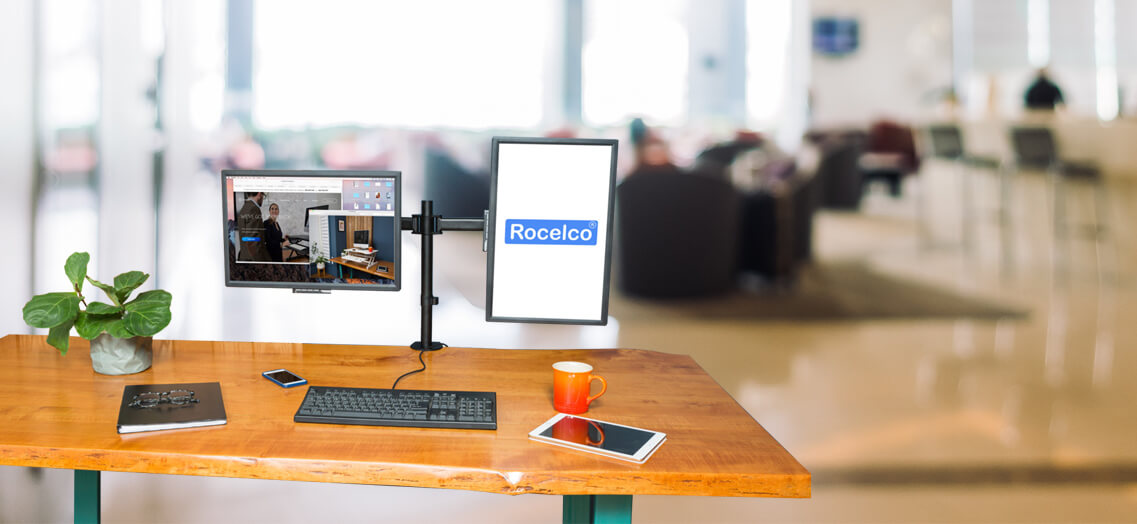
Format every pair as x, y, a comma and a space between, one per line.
121, 356
320, 266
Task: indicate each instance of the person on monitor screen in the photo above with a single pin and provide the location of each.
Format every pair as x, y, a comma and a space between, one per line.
275, 239
251, 229
1043, 94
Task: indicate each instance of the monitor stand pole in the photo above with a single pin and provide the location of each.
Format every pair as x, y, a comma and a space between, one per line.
428, 224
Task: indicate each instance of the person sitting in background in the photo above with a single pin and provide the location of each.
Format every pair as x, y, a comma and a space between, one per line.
654, 158
652, 153
759, 166
275, 239
1043, 94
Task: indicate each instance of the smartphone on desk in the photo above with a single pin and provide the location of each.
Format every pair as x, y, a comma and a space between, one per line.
284, 378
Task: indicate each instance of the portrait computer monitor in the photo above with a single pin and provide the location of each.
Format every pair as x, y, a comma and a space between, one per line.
361, 240
550, 230
336, 210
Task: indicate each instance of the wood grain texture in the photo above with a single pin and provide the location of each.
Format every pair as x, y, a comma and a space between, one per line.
359, 223
58, 413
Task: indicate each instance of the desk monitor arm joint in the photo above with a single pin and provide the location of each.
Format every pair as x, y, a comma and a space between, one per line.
428, 224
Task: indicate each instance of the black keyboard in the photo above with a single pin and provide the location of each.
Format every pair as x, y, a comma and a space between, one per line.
399, 407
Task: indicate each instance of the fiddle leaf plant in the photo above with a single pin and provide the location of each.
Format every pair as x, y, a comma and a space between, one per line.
144, 316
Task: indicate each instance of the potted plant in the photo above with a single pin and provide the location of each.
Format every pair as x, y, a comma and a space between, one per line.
120, 332
319, 258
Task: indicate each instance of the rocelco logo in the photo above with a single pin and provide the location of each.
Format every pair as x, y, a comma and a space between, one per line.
551, 232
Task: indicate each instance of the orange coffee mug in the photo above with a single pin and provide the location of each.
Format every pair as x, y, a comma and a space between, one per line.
577, 430
572, 382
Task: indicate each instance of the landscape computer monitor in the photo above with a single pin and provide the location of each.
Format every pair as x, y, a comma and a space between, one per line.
308, 213
339, 206
550, 230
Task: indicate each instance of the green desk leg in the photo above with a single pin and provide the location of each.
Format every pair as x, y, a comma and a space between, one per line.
597, 509
86, 496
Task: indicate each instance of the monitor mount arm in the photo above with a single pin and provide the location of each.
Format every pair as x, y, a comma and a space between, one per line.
428, 224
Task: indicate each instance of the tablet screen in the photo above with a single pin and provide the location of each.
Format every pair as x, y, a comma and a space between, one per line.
600, 435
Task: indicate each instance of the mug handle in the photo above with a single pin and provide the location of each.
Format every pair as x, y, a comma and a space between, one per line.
599, 431
603, 387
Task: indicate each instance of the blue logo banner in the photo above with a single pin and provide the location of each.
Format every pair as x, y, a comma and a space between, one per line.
551, 232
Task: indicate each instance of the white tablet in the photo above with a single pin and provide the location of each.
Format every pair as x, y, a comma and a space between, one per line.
603, 438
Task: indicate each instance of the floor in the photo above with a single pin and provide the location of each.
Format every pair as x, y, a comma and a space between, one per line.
1017, 419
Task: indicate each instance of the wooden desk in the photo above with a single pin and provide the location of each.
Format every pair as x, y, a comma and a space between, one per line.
360, 267
58, 413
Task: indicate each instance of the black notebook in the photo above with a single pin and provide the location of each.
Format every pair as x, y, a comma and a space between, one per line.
152, 407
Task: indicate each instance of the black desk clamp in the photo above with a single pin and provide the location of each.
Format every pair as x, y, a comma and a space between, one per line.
428, 224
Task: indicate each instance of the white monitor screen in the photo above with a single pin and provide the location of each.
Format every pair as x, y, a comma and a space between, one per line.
550, 230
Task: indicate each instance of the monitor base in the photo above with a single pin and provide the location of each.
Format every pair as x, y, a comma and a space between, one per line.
434, 346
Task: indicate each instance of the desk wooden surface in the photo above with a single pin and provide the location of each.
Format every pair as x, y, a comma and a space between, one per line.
390, 273
58, 413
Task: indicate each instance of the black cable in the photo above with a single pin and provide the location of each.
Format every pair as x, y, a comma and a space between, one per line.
419, 370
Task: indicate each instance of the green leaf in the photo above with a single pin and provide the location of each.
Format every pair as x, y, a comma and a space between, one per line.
90, 326
59, 336
109, 290
51, 309
148, 314
102, 308
127, 282
76, 269
117, 328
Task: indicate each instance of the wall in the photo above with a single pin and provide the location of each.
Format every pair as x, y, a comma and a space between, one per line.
383, 237
904, 54
337, 238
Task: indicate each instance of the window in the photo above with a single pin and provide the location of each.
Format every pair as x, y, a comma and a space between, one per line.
1038, 32
446, 63
634, 61
768, 25
1105, 56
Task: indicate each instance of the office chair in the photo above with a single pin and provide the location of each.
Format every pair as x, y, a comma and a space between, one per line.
1035, 149
945, 142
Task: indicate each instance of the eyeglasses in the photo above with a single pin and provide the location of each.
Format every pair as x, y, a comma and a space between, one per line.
149, 399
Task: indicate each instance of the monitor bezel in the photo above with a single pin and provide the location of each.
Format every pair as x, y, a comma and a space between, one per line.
397, 226
491, 226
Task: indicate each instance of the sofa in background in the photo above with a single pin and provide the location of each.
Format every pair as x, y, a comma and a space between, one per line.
677, 235
683, 233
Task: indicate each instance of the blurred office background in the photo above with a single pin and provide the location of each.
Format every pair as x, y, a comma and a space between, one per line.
935, 323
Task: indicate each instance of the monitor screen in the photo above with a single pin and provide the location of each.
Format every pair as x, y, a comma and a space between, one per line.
266, 245
308, 213
550, 230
